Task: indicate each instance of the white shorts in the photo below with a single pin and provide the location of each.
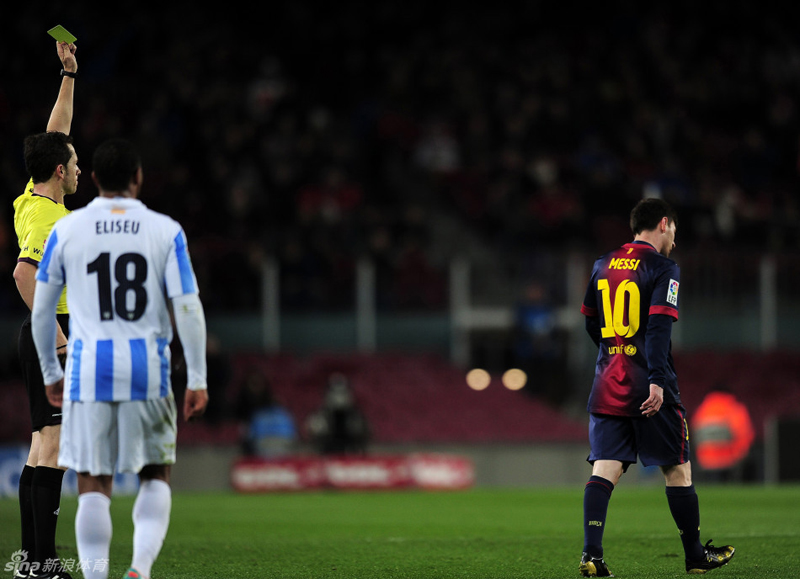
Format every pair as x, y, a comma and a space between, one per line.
96, 437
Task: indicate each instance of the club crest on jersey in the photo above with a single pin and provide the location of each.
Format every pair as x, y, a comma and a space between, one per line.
672, 292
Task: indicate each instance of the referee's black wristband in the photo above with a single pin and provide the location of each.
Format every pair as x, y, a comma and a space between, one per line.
59, 347
69, 74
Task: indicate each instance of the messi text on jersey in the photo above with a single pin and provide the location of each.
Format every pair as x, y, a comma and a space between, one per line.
622, 263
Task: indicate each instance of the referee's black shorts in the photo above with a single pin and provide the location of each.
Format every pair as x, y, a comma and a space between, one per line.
42, 412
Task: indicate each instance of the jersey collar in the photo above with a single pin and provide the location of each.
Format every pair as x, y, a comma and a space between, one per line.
125, 202
640, 242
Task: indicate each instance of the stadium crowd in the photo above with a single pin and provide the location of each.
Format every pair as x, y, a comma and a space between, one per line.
326, 132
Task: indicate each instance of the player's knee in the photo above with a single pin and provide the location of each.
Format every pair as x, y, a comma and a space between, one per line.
88, 483
678, 475
611, 470
155, 471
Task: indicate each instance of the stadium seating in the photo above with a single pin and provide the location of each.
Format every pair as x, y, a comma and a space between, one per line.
422, 398
413, 398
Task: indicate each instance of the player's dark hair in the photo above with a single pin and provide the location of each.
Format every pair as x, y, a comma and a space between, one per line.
44, 152
115, 163
647, 213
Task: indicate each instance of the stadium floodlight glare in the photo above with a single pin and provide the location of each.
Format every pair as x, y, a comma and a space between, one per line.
478, 379
515, 379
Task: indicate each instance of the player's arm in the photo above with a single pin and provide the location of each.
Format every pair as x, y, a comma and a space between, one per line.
61, 115
190, 322
663, 312
659, 334
44, 328
25, 278
592, 325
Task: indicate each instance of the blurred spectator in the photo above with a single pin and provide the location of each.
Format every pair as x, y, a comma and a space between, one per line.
268, 429
437, 149
538, 345
722, 434
339, 426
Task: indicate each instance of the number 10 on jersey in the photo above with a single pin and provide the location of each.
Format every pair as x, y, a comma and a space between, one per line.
626, 301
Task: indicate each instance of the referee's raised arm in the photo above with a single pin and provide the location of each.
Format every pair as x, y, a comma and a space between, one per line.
52, 163
61, 116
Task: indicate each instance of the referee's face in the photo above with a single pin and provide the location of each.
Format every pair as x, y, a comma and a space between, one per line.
71, 173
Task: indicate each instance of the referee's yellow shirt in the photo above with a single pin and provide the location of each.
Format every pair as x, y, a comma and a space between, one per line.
34, 217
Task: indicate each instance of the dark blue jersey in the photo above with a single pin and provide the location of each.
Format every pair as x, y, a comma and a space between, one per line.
630, 304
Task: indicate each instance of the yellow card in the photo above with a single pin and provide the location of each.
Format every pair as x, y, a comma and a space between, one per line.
60, 33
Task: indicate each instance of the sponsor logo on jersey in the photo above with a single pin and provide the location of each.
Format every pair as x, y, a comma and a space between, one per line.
628, 350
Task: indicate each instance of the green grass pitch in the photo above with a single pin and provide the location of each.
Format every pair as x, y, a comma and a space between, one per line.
481, 534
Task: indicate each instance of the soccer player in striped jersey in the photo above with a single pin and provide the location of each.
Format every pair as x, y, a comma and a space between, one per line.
124, 263
635, 406
52, 163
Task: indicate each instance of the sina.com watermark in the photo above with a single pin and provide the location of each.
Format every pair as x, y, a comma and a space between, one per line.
19, 565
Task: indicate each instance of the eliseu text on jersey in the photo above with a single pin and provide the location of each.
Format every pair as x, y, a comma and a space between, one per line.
116, 226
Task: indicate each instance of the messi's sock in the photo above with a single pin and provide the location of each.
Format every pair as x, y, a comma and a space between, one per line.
596, 497
685, 509
26, 512
46, 495
93, 533
151, 513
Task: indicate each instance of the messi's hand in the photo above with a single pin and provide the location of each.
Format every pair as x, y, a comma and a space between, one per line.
653, 403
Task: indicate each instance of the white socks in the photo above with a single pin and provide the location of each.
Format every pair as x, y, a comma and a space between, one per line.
150, 522
93, 533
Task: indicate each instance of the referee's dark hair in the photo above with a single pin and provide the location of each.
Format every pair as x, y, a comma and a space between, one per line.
114, 164
44, 152
648, 212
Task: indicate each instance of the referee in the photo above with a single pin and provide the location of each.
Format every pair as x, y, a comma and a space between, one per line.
52, 163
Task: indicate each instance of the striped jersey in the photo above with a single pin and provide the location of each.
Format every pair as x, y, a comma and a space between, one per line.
34, 217
628, 285
122, 262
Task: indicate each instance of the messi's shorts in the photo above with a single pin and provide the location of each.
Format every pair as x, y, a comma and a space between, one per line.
661, 440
